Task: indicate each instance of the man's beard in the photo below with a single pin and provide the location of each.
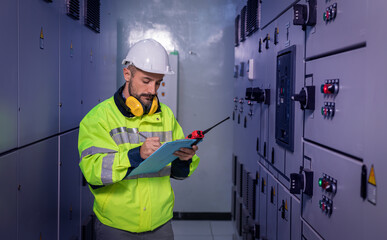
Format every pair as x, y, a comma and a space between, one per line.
138, 97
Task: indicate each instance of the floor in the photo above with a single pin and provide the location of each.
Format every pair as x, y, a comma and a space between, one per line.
203, 230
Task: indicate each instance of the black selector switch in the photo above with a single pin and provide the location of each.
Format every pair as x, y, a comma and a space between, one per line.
305, 15
302, 181
261, 95
300, 14
306, 97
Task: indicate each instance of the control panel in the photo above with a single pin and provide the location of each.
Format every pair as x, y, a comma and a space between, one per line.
284, 118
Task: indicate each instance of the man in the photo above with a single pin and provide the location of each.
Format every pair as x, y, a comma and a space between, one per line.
117, 135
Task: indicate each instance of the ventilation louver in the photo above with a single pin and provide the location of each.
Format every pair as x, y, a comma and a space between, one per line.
237, 20
242, 32
253, 15
73, 9
92, 14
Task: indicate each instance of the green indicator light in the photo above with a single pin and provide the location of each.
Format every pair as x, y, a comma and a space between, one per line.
320, 203
325, 16
320, 182
322, 110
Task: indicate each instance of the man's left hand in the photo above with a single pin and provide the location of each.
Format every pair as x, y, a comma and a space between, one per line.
186, 154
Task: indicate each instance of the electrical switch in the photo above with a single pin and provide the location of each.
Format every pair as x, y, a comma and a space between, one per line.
302, 181
236, 71
306, 97
328, 184
242, 69
250, 69
305, 15
260, 45
241, 101
326, 205
248, 95
328, 110
330, 13
261, 95
330, 86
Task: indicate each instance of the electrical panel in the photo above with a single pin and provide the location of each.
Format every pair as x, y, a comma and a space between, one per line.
70, 181
284, 121
8, 69
8, 200
45, 73
318, 142
38, 78
38, 194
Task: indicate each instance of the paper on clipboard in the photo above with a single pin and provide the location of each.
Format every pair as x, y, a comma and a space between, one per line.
162, 156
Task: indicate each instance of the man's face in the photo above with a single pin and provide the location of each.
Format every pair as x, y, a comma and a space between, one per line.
143, 85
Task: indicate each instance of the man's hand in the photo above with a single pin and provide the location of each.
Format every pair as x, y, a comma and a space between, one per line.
150, 145
186, 154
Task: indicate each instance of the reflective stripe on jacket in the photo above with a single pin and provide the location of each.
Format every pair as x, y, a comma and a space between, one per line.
136, 203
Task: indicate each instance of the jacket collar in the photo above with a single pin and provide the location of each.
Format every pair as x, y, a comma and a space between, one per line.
120, 103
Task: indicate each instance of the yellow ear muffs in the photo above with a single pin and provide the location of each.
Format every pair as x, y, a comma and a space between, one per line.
135, 106
154, 106
137, 109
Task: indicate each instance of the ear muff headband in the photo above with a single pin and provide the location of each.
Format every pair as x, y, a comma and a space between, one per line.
137, 109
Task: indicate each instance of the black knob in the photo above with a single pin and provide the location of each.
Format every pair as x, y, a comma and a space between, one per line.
301, 97
306, 97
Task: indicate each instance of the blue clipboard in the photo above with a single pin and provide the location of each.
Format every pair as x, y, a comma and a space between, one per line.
162, 156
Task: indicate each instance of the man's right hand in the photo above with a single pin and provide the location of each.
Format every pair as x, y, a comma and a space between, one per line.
150, 145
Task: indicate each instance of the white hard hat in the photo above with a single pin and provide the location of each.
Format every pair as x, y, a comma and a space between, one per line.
149, 56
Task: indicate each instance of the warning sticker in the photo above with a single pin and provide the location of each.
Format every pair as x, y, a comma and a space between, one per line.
371, 188
41, 39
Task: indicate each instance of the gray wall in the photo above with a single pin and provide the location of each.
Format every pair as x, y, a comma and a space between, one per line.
202, 33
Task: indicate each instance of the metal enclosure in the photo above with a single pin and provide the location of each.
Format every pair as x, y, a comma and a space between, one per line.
337, 129
70, 184
91, 78
40, 101
8, 200
70, 72
335, 108
9, 82
344, 220
319, 38
38, 71
38, 195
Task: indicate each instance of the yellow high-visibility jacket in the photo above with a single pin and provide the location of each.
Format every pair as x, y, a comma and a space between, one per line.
109, 150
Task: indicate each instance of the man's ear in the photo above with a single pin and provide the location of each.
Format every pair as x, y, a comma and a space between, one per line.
127, 74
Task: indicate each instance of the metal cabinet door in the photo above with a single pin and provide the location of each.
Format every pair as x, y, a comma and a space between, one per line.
70, 72
90, 70
70, 182
263, 196
284, 214
291, 35
337, 34
9, 75
346, 204
38, 70
8, 199
272, 208
334, 131
38, 195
